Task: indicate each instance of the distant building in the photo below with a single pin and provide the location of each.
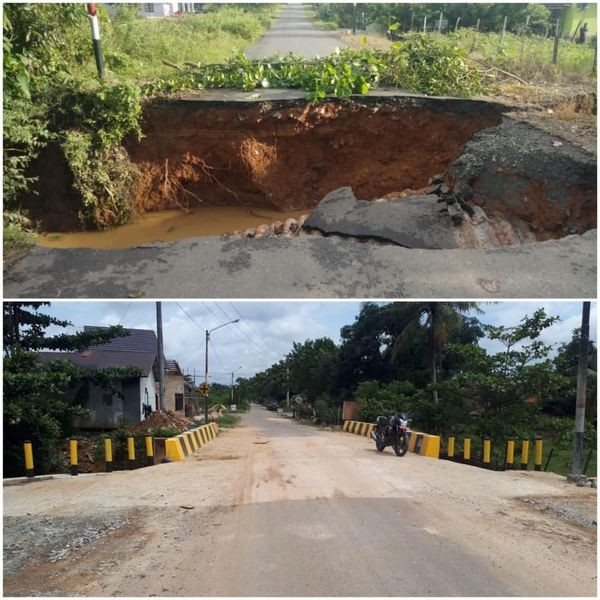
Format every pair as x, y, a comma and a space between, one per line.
160, 9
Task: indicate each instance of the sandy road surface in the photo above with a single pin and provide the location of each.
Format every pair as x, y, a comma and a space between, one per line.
293, 32
276, 508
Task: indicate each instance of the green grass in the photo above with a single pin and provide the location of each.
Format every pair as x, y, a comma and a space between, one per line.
134, 48
227, 421
530, 58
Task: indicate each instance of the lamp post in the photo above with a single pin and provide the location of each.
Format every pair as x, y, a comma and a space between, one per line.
208, 332
232, 372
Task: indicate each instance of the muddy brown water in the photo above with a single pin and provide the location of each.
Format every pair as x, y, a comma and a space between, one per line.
169, 226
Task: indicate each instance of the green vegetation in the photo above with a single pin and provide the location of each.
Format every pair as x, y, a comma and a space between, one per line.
227, 420
426, 359
164, 432
37, 404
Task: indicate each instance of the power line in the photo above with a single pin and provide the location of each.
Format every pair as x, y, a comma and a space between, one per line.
124, 313
189, 317
217, 356
259, 336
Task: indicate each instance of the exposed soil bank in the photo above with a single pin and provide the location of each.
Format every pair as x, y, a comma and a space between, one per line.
289, 155
168, 226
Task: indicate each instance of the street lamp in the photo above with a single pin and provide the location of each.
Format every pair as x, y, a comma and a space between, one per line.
232, 372
208, 332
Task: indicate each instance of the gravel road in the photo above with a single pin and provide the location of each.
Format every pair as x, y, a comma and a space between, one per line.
293, 32
273, 508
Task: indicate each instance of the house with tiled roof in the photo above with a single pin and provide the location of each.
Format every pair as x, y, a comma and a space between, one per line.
139, 349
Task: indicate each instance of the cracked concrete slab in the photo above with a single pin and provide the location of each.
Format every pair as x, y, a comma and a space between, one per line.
308, 267
412, 222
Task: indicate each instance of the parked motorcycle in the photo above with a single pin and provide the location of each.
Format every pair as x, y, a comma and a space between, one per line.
392, 432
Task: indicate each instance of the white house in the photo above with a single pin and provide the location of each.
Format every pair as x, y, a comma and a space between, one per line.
159, 9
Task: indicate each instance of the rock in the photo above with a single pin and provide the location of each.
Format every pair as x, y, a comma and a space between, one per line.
236, 235
467, 208
187, 506
456, 214
302, 220
464, 191
434, 189
290, 225
262, 231
439, 178
445, 190
249, 233
277, 227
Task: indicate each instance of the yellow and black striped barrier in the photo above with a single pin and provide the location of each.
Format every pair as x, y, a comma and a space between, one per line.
108, 457
186, 443
484, 459
28, 448
149, 450
131, 452
419, 443
73, 456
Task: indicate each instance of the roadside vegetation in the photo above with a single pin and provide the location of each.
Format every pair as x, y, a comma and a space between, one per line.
430, 360
525, 48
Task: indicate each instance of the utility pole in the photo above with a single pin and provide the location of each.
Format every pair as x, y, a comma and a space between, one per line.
287, 376
161, 358
96, 39
584, 345
206, 377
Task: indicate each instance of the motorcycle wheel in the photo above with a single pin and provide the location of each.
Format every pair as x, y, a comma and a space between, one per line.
401, 447
379, 443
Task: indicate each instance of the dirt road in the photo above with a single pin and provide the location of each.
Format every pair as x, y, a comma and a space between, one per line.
273, 508
293, 32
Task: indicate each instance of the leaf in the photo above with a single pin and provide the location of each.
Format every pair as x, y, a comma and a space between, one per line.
393, 26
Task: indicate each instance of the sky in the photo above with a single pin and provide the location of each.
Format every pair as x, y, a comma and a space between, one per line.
267, 330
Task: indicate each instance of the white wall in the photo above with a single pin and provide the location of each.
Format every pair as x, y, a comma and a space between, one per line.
148, 383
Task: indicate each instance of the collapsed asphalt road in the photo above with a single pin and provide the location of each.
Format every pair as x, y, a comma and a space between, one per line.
307, 267
274, 508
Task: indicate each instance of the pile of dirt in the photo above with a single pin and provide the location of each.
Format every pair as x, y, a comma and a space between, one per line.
165, 418
86, 451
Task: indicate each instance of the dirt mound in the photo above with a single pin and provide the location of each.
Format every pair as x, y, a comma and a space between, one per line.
160, 419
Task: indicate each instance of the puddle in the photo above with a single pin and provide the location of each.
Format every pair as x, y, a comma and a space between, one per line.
169, 226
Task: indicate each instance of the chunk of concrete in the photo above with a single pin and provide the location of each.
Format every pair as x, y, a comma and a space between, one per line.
412, 222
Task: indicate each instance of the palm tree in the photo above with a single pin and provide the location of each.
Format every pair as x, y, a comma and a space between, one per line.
440, 320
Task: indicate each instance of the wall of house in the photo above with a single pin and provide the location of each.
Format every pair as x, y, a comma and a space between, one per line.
574, 17
106, 409
173, 385
148, 384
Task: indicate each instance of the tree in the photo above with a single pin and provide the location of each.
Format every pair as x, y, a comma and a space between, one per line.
36, 406
440, 320
504, 389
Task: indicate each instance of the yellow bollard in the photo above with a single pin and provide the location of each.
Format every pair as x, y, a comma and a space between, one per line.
451, 446
131, 452
510, 453
467, 449
74, 461
487, 451
538, 453
524, 454
149, 450
28, 447
108, 455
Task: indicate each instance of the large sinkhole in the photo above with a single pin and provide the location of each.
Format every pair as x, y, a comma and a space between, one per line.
413, 171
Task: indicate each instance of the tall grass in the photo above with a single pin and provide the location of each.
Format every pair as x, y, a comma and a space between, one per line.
135, 48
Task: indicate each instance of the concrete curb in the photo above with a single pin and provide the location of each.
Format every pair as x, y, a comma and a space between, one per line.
188, 442
423, 444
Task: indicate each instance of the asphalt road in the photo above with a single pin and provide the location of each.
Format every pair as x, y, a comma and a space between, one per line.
293, 32
307, 267
273, 508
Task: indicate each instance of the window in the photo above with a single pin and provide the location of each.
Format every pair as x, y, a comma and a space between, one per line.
178, 401
107, 399
149, 8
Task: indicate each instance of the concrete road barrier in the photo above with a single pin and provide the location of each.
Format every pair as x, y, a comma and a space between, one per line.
419, 443
188, 442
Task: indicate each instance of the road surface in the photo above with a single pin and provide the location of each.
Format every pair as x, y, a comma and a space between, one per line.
273, 508
293, 32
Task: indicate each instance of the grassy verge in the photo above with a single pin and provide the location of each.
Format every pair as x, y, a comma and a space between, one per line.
135, 48
228, 421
